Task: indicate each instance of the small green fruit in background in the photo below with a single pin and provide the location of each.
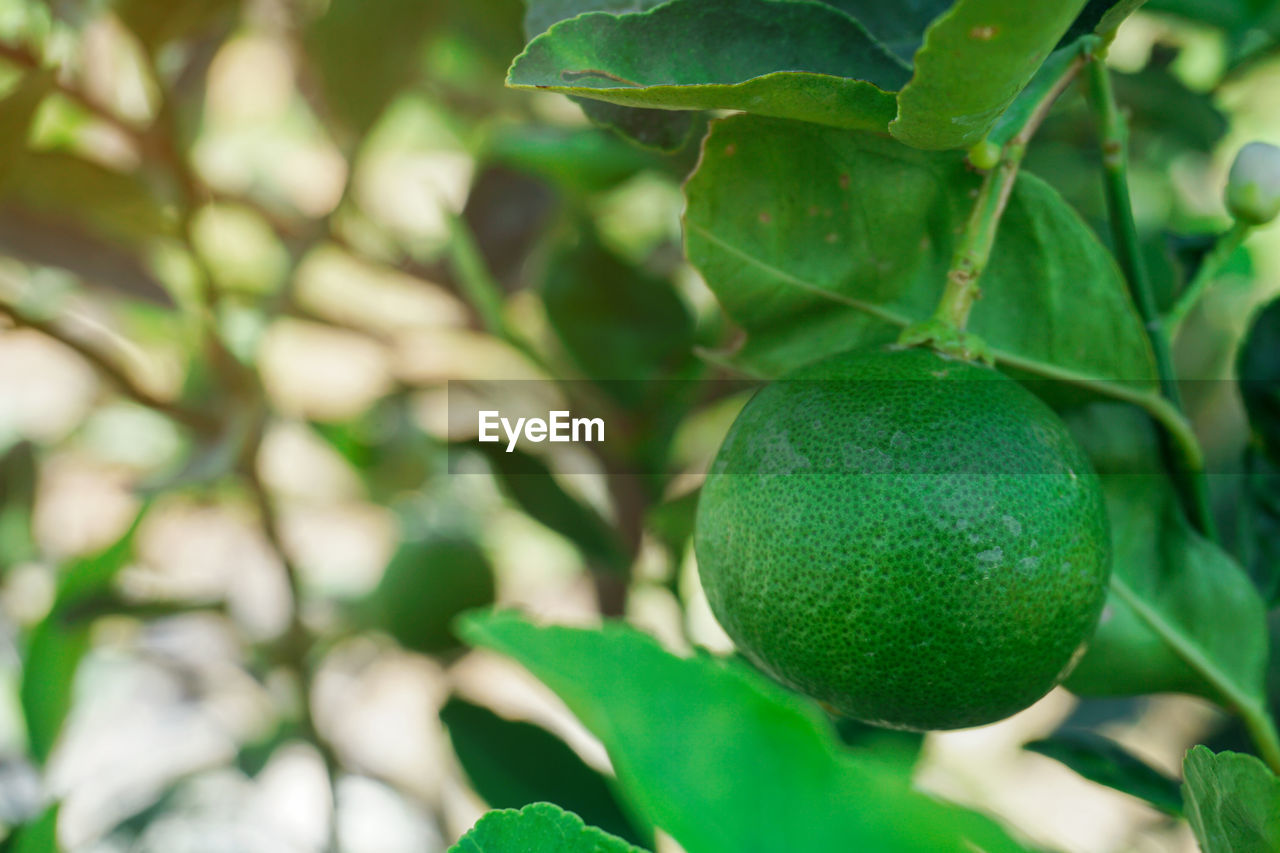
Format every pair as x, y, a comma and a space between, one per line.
427, 583
1253, 186
914, 540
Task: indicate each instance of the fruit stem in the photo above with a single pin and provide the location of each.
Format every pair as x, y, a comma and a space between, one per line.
1188, 475
971, 256
1210, 266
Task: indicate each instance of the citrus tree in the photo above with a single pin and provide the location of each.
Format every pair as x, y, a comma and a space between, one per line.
966, 261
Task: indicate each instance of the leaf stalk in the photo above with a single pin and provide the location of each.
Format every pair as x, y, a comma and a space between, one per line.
1185, 462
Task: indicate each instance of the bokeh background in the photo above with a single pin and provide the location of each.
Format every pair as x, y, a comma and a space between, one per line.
250, 250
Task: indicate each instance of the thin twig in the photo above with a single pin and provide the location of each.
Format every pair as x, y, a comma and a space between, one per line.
110, 369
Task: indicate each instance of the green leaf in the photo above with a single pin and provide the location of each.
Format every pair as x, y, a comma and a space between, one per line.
1101, 16
17, 109
723, 759
1258, 373
58, 642
49, 664
818, 241
365, 52
539, 828
61, 210
530, 484
1181, 615
17, 505
615, 320
1258, 540
1232, 802
1102, 760
38, 836
577, 159
900, 26
513, 764
158, 22
539, 15
798, 60
975, 60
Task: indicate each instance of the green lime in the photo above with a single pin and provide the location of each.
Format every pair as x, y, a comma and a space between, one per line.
427, 583
916, 541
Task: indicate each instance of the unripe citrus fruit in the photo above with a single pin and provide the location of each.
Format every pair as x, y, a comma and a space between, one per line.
914, 540
427, 583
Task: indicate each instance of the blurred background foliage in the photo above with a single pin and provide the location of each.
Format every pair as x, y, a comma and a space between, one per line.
244, 244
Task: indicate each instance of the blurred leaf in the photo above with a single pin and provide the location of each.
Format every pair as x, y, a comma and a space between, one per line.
816, 241
975, 60
63, 243
666, 131
427, 583
1181, 615
1102, 760
538, 828
1232, 802
1258, 372
157, 22
672, 521
897, 750
513, 764
579, 160
17, 505
615, 320
1100, 16
365, 52
1258, 520
530, 484
38, 836
723, 759
508, 212
61, 210
49, 663
57, 643
797, 60
254, 755
17, 109
90, 576
119, 205
1234, 16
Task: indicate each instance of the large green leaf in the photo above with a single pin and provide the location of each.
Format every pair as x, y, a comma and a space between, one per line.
800, 60
1106, 762
817, 241
721, 758
513, 764
1181, 616
975, 60
1232, 802
539, 828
